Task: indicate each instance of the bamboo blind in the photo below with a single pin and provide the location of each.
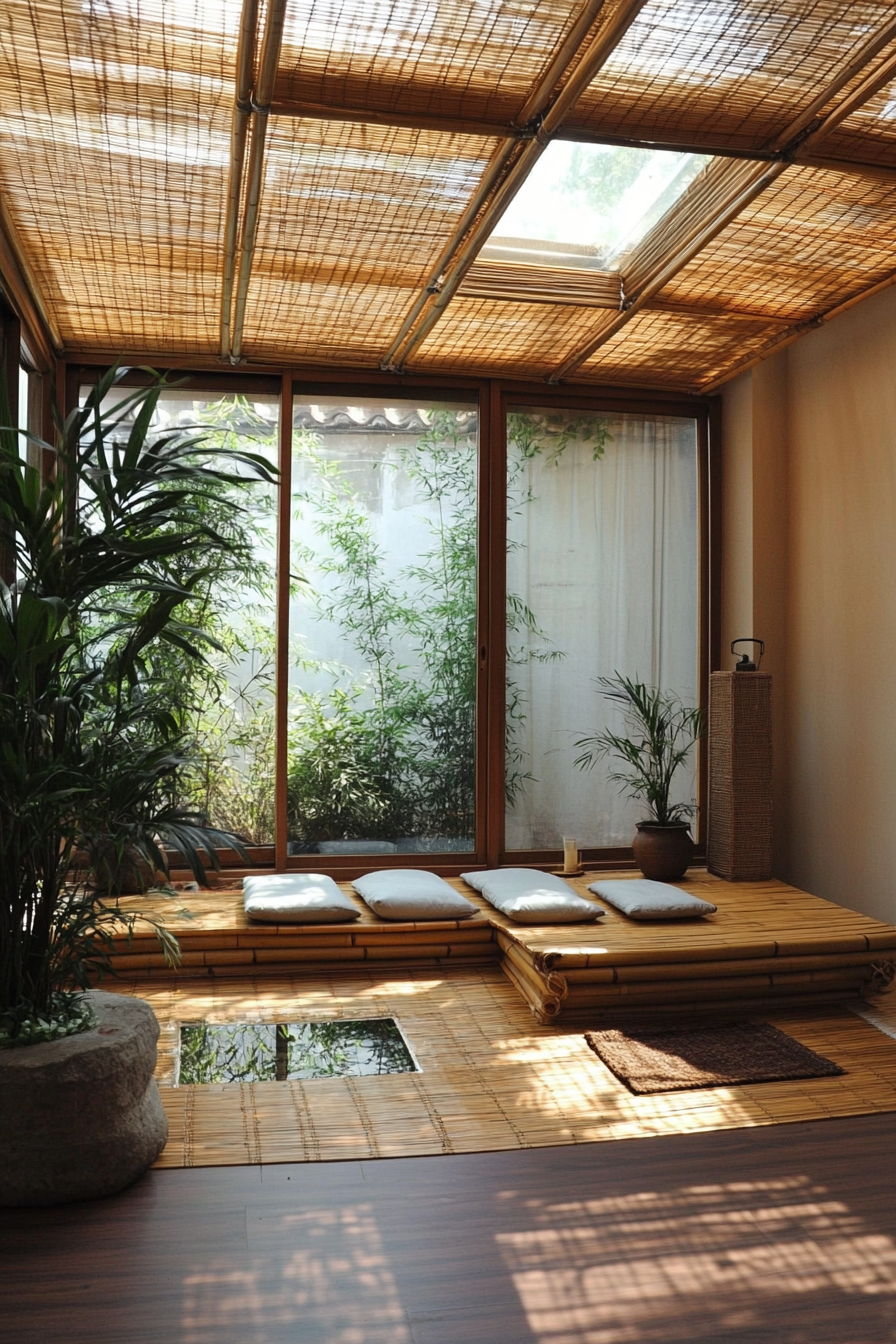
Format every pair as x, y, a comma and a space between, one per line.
812, 238
869, 135
115, 157
352, 217
503, 336
114, 138
543, 284
730, 75
673, 348
453, 58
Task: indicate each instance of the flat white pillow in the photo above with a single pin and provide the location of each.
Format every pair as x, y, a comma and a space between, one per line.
530, 897
643, 899
412, 893
297, 898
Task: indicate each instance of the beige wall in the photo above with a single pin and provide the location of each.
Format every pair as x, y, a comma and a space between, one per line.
809, 468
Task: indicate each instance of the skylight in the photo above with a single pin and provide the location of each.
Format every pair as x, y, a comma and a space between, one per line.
585, 205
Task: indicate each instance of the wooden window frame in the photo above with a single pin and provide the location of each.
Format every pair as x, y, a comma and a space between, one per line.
495, 397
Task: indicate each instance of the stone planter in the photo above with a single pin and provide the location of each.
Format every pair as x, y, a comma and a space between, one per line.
82, 1117
663, 852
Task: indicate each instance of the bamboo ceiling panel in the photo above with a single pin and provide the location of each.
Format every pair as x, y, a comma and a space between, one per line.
674, 349
492, 336
729, 73
809, 241
114, 145
869, 135
352, 219
451, 59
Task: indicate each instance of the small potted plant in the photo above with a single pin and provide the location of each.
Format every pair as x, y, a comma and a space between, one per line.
661, 730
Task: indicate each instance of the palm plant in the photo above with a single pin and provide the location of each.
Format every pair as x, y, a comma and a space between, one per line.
100, 554
662, 732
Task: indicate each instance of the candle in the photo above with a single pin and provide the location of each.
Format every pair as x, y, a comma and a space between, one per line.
570, 854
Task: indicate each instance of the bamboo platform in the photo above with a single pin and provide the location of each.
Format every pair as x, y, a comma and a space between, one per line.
217, 939
492, 1078
769, 946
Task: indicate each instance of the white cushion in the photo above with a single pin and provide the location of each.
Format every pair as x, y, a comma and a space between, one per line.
530, 897
412, 893
641, 899
297, 898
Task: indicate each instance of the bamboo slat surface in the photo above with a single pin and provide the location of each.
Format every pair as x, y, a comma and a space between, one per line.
491, 1077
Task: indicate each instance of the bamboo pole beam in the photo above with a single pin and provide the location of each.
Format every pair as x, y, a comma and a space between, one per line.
261, 107
242, 109
857, 99
507, 171
504, 130
723, 191
792, 136
560, 63
21, 288
312, 110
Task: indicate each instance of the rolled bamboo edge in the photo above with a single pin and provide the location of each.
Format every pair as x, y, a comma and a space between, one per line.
709, 970
544, 1009
552, 983
583, 1014
536, 983
848, 979
557, 958
243, 963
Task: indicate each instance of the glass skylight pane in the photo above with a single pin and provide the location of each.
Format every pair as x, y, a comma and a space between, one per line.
585, 205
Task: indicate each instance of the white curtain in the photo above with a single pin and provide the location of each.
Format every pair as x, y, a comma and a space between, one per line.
605, 556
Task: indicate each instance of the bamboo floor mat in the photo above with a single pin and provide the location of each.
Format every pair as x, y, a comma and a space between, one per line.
492, 1078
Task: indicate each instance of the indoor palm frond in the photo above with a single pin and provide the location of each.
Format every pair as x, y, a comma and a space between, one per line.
662, 730
100, 554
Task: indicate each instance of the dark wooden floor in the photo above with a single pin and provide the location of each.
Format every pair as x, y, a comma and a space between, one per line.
784, 1234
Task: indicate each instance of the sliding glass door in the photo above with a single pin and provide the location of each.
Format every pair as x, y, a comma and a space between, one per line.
382, 627
602, 578
409, 649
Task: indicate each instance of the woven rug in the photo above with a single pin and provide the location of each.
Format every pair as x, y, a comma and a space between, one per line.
676, 1059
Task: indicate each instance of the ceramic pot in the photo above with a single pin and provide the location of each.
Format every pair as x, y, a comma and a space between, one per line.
663, 852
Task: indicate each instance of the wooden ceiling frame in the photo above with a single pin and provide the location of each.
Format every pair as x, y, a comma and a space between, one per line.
418, 121
574, 66
21, 288
724, 190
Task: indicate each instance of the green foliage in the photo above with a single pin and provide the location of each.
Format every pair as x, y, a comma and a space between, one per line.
104, 557
65, 1015
224, 703
662, 729
346, 773
603, 176
391, 753
276, 1052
